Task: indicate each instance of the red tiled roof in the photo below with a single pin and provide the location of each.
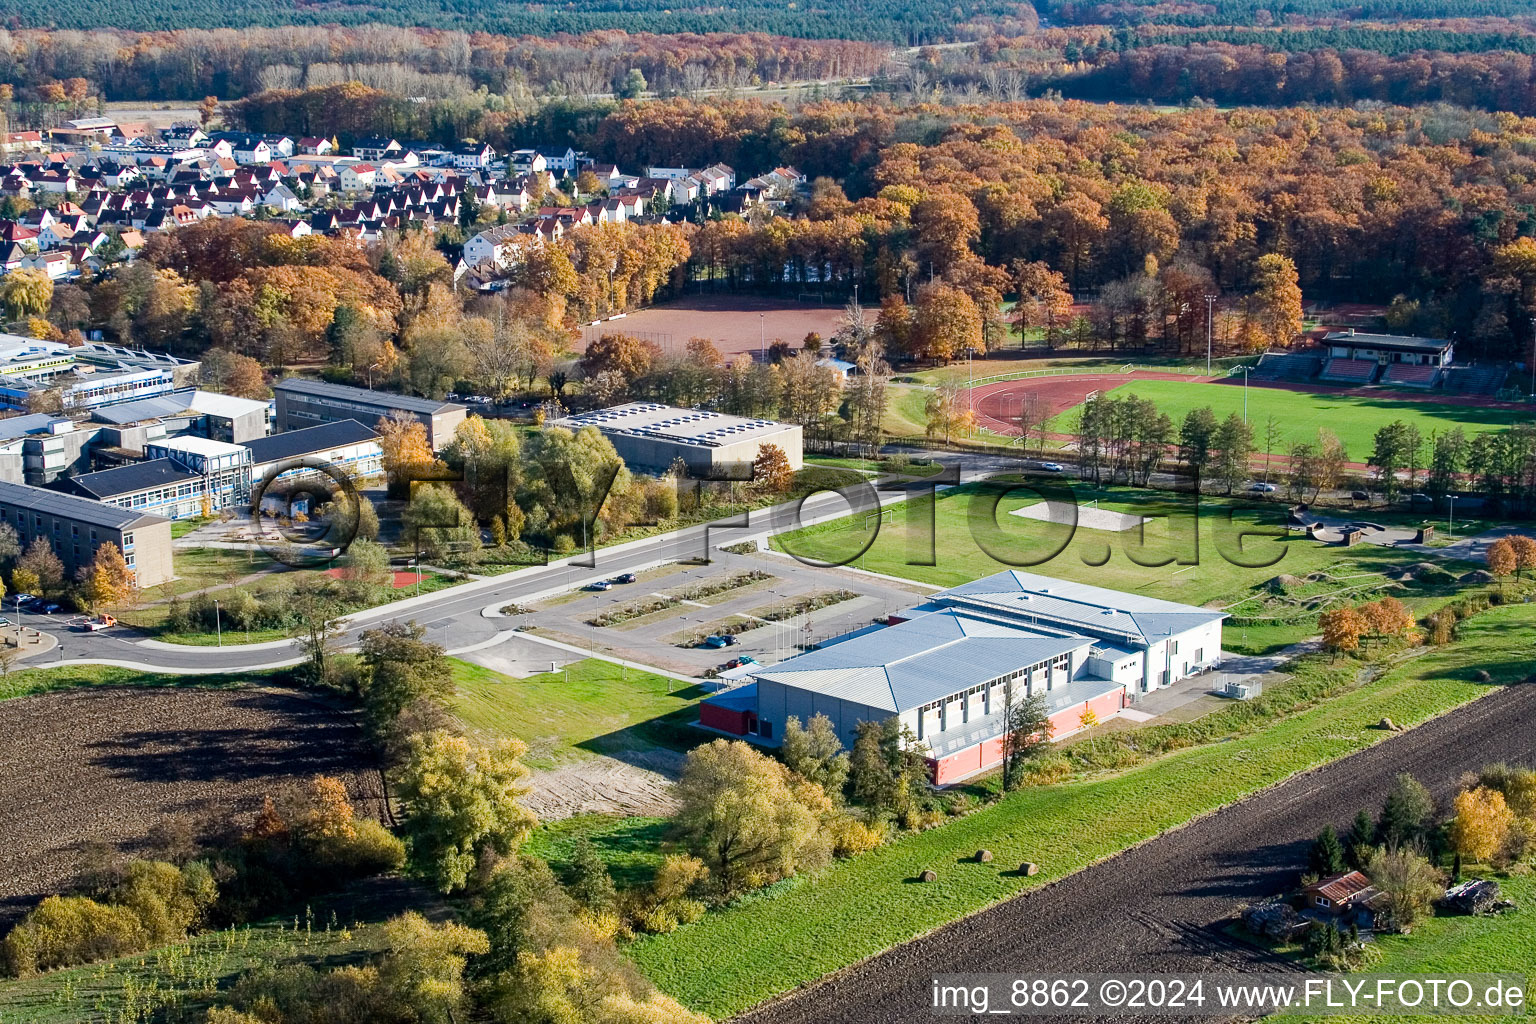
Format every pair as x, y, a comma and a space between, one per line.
1341, 888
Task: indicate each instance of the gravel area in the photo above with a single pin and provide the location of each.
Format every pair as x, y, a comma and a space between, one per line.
107, 765
1158, 908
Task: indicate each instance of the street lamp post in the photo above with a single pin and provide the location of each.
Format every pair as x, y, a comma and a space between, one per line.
218, 622
762, 337
1532, 359
375, 366
1210, 303
1450, 524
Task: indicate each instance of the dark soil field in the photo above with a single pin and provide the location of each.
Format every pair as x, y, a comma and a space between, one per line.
1157, 908
81, 767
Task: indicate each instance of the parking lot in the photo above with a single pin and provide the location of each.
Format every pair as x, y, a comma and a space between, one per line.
657, 619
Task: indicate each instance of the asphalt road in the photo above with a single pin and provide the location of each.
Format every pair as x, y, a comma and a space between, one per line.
1157, 908
453, 616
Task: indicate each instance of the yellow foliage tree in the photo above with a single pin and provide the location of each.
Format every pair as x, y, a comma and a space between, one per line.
1502, 560
407, 455
1276, 303
107, 581
771, 469
1482, 823
1342, 628
26, 293
949, 412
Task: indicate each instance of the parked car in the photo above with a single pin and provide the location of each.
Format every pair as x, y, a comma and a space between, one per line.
1263, 488
97, 624
4, 622
746, 659
1420, 499
49, 607
1053, 467
625, 577
23, 598
715, 641
599, 585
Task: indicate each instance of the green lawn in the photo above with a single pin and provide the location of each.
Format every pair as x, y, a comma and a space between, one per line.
1355, 419
1453, 944
971, 534
631, 847
600, 708
181, 527
777, 940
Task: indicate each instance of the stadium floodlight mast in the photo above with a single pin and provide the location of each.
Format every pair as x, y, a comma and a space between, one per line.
1210, 302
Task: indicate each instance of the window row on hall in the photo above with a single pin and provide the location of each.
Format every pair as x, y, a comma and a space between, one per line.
988, 698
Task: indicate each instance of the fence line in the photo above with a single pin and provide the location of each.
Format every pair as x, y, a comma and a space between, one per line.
1128, 368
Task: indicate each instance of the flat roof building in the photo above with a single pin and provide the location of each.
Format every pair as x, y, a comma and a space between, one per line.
182, 478
348, 445
1389, 348
306, 403
714, 445
205, 413
947, 668
76, 526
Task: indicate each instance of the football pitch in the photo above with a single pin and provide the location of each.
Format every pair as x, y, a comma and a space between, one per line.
1354, 418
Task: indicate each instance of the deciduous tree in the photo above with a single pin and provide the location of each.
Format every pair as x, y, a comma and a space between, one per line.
1342, 629
461, 804
1481, 825
107, 582
771, 469
1276, 301
745, 816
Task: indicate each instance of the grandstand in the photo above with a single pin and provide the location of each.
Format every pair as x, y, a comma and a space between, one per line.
1354, 359
1284, 366
1349, 371
1410, 376
1475, 380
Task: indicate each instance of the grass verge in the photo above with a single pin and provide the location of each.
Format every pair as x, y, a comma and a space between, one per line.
593, 707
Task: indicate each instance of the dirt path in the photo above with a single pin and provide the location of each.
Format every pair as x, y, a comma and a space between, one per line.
1153, 909
606, 785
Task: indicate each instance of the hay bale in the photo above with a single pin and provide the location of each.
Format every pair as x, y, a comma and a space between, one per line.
1029, 868
983, 856
929, 875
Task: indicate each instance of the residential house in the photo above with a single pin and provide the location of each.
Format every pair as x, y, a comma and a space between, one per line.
1345, 899
526, 161
473, 156
560, 159
377, 148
